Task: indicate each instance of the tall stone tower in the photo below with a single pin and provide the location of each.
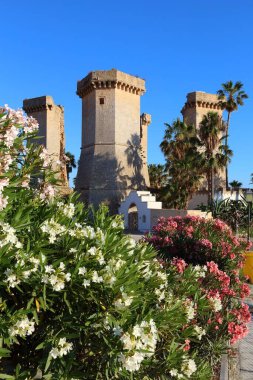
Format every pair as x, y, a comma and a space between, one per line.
51, 129
113, 151
197, 105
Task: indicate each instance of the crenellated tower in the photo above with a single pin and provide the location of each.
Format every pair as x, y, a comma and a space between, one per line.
113, 151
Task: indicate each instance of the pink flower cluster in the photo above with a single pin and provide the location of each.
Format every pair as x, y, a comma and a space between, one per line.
180, 264
210, 243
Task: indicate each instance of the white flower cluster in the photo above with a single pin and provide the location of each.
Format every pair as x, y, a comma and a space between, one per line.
124, 301
140, 344
131, 245
11, 278
110, 270
53, 229
200, 271
3, 201
56, 277
22, 328
81, 232
215, 303
9, 236
160, 292
63, 348
200, 331
93, 277
189, 309
118, 222
67, 209
35, 263
187, 369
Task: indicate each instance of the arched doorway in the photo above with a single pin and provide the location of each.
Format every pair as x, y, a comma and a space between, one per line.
133, 218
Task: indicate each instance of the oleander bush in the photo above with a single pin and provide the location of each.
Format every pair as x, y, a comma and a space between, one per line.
80, 300
210, 245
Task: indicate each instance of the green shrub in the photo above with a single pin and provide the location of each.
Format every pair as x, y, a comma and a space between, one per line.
79, 300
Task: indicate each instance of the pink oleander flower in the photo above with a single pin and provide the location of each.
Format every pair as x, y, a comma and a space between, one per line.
213, 267
206, 243
187, 345
236, 331
180, 264
10, 136
48, 192
44, 155
3, 183
31, 125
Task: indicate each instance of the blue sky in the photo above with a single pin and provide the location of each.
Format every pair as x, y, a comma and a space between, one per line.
176, 46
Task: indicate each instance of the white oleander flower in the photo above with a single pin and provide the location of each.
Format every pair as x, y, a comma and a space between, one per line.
200, 331
96, 278
22, 327
140, 344
11, 278
200, 270
100, 236
9, 236
86, 283
62, 349
188, 367
56, 277
123, 301
53, 229
67, 209
82, 270
215, 303
3, 202
190, 310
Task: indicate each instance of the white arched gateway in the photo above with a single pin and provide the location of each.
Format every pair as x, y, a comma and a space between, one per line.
141, 211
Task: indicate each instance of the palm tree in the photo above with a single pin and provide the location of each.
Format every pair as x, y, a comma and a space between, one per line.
215, 155
235, 184
70, 163
157, 176
180, 147
231, 96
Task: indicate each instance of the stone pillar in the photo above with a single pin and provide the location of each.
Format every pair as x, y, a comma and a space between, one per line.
111, 163
51, 129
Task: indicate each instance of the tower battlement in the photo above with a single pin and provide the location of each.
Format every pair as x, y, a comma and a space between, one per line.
109, 79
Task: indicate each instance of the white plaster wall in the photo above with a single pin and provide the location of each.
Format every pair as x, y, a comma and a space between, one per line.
142, 211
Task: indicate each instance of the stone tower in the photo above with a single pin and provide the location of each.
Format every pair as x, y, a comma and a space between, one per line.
51, 129
197, 105
114, 137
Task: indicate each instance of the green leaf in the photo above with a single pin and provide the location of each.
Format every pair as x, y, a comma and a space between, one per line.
4, 352
4, 376
49, 358
40, 346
